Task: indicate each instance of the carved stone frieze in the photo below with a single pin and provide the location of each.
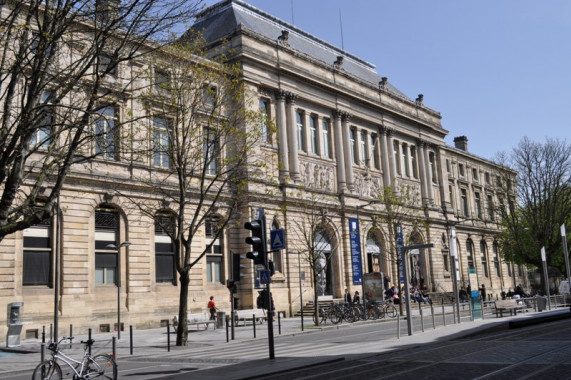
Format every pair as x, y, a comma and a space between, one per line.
367, 185
317, 176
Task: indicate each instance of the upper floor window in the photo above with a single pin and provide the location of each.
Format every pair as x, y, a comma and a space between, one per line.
210, 151
161, 142
325, 130
470, 251
484, 254
375, 151
264, 125
363, 148
106, 132
404, 150
413, 161
300, 131
209, 95
478, 205
475, 174
464, 196
396, 156
104, 65
214, 254
41, 136
313, 134
354, 151
491, 215
432, 161
496, 259
162, 80
487, 178
461, 170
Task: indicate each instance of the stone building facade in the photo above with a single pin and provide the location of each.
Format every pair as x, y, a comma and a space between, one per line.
339, 134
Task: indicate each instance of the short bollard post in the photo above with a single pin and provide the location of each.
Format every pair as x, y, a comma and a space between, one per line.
432, 313
227, 328
44, 334
168, 336
89, 338
70, 333
470, 310
421, 317
482, 308
51, 331
42, 352
443, 315
254, 323
279, 324
114, 347
131, 339
398, 326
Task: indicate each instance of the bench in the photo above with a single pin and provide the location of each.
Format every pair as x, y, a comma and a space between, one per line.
512, 305
197, 320
253, 315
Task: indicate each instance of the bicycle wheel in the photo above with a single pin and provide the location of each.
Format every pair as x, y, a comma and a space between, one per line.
391, 311
102, 366
335, 315
47, 370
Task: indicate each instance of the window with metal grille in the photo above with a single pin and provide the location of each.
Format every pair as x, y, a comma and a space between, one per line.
37, 260
106, 233
164, 249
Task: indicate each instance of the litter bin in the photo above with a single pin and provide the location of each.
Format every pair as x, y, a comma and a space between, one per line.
14, 319
541, 303
220, 317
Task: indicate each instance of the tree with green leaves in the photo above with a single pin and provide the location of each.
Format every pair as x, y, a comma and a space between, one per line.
204, 130
60, 63
533, 211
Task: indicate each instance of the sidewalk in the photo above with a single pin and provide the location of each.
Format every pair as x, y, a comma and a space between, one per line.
154, 341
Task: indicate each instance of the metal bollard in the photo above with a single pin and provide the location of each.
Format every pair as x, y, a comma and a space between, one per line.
253, 323
482, 307
227, 330
42, 352
131, 339
114, 347
432, 313
470, 310
443, 316
70, 334
51, 331
421, 317
168, 336
89, 338
44, 334
398, 326
279, 324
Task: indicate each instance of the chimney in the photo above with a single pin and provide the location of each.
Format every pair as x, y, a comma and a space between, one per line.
461, 142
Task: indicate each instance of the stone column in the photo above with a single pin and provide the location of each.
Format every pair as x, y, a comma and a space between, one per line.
429, 194
385, 162
391, 154
347, 146
283, 154
339, 154
422, 174
292, 140
443, 179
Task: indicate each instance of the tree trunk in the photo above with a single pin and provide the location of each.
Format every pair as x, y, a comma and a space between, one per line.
315, 301
182, 331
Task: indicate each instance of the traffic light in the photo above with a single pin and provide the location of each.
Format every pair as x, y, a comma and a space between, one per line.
231, 285
258, 242
237, 267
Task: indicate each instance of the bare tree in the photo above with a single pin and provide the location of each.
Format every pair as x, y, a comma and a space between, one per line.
532, 213
203, 132
308, 221
60, 61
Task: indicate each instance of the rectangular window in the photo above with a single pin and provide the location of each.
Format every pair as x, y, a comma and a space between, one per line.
496, 259
375, 151
475, 174
396, 156
104, 66
404, 150
413, 161
461, 170
478, 205
41, 137
264, 125
162, 80
300, 131
464, 196
37, 261
106, 233
161, 142
209, 96
487, 177
490, 207
210, 151
313, 134
432, 161
470, 251
363, 148
483, 250
451, 195
326, 138
446, 261
354, 151
106, 132
164, 249
214, 254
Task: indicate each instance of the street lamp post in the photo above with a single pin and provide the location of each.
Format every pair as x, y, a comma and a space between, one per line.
56, 269
374, 201
113, 246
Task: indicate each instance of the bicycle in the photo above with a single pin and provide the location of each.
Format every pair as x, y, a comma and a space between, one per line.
101, 366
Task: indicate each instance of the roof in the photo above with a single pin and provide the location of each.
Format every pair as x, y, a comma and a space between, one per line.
224, 18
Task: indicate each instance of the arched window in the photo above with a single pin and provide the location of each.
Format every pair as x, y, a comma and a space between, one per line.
484, 254
106, 234
323, 251
496, 258
374, 251
470, 253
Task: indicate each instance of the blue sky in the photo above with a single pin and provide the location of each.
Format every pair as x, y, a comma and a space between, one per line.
497, 70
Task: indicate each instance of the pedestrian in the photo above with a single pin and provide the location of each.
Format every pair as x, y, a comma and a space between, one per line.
356, 297
483, 292
212, 308
386, 282
347, 296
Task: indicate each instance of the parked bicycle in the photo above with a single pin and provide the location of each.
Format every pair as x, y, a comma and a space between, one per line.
101, 366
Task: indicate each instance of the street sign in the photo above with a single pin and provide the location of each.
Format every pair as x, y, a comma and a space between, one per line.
277, 239
265, 276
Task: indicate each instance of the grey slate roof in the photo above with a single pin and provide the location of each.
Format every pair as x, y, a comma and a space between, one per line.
222, 19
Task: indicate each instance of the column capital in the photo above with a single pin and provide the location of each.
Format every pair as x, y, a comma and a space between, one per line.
386, 131
345, 116
280, 95
291, 97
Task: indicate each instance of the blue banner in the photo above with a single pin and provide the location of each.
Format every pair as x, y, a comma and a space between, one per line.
355, 251
401, 257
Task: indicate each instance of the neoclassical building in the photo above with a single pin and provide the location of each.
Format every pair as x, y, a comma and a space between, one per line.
339, 134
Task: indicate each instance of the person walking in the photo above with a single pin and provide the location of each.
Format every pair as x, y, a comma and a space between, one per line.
356, 297
347, 296
483, 292
212, 308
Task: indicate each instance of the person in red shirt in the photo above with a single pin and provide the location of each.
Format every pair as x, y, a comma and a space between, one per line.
212, 308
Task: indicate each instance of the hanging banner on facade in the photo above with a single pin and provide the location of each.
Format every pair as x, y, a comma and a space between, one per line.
401, 257
355, 251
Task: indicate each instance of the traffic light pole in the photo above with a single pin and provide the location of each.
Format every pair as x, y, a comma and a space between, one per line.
270, 322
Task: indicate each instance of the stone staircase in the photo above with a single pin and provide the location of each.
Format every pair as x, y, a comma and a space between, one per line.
309, 309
